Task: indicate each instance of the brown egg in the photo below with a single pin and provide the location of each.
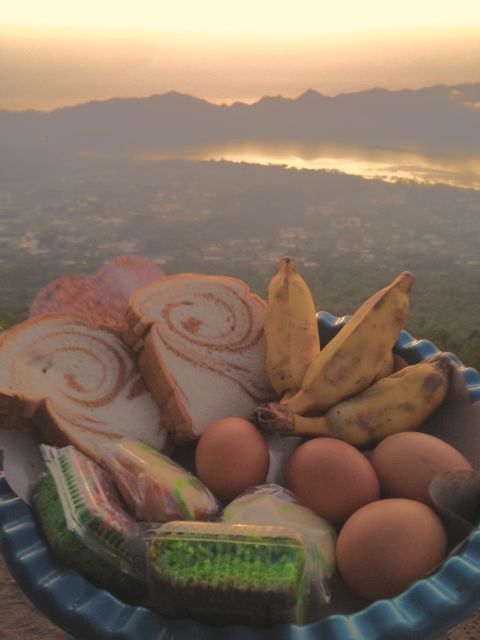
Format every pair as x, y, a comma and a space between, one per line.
332, 478
407, 462
388, 544
231, 456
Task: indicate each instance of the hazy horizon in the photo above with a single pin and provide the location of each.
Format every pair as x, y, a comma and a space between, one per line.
44, 68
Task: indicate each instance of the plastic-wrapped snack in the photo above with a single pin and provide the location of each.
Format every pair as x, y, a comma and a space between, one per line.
244, 574
270, 504
69, 549
93, 511
155, 487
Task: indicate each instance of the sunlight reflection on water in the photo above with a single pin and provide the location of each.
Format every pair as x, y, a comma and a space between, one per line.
388, 165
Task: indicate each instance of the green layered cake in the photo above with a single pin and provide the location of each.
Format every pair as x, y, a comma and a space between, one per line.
72, 552
220, 573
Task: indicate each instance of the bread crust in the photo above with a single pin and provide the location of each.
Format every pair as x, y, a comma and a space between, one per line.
55, 433
12, 404
60, 423
164, 388
136, 325
46, 420
15, 422
141, 332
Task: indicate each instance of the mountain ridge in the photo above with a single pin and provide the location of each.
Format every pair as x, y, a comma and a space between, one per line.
308, 93
437, 119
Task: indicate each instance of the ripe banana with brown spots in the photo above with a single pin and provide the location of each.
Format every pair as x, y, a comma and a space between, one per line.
356, 356
400, 402
290, 329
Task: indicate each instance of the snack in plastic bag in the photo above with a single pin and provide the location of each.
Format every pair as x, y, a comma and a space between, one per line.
270, 504
71, 551
155, 487
245, 574
92, 508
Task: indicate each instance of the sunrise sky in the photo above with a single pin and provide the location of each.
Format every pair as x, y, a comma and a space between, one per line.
55, 53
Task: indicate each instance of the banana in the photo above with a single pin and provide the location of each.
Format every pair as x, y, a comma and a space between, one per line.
359, 352
387, 368
400, 402
291, 329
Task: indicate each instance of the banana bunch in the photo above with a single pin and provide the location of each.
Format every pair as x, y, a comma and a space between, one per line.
352, 360
316, 379
347, 389
400, 402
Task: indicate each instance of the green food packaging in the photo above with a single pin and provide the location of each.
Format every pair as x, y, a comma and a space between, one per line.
230, 573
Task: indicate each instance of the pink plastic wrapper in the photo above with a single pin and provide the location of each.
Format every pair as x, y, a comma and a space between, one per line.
156, 488
102, 299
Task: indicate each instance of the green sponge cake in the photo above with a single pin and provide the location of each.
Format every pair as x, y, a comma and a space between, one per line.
220, 573
69, 549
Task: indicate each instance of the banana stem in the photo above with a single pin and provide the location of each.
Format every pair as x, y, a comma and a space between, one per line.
274, 417
277, 418
303, 402
312, 427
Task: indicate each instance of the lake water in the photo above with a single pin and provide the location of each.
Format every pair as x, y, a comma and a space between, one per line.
459, 171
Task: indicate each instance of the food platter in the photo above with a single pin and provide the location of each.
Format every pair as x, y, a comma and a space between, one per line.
424, 610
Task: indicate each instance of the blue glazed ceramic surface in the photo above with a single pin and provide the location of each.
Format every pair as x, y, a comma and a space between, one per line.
423, 611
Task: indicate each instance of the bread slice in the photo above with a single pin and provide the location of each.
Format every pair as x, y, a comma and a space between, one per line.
77, 383
201, 349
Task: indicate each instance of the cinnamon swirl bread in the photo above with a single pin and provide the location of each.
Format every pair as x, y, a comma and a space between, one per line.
201, 349
77, 383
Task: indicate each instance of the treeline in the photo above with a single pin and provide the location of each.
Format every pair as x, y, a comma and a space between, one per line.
444, 309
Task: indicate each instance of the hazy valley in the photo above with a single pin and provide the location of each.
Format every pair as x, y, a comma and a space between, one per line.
82, 184
63, 214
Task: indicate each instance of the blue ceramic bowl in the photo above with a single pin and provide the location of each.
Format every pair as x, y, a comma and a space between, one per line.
425, 610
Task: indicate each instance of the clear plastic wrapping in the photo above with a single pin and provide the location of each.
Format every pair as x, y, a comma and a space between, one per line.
244, 574
93, 510
271, 504
156, 488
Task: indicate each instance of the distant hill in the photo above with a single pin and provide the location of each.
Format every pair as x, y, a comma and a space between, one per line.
436, 120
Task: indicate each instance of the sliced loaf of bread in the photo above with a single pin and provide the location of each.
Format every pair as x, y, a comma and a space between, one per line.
78, 384
201, 349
